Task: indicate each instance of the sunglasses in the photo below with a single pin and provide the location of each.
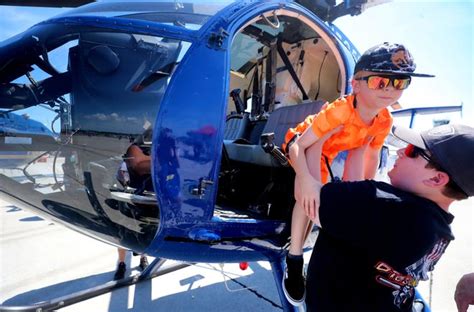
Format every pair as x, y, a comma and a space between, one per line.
379, 82
413, 151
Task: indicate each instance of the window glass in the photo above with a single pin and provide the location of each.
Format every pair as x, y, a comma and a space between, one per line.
76, 130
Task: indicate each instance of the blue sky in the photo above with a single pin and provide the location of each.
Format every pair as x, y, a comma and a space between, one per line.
439, 35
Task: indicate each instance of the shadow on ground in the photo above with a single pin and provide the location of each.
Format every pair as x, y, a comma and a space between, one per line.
259, 295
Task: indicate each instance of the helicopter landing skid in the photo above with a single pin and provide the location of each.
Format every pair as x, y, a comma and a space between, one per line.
153, 270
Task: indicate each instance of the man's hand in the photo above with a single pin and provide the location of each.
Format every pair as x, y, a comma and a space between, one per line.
464, 294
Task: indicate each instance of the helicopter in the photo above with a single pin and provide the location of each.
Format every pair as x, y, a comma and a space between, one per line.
201, 90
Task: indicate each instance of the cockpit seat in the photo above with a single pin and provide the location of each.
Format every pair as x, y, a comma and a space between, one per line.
236, 126
278, 122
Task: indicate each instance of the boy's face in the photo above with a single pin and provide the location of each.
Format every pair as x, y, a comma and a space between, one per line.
376, 93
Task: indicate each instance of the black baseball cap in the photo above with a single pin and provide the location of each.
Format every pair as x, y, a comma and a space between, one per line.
450, 146
389, 58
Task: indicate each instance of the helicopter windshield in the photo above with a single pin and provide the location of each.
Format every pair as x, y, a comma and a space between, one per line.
190, 14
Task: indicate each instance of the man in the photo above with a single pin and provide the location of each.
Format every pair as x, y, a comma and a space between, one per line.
378, 240
135, 172
464, 295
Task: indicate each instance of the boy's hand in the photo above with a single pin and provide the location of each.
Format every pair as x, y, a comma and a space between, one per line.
309, 186
309, 195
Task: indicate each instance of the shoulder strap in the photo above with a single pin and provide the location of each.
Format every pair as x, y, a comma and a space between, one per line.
270, 78
290, 68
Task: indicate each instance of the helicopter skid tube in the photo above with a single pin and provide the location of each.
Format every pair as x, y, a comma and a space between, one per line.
153, 270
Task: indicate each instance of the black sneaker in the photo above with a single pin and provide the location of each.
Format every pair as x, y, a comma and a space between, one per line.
293, 282
121, 269
143, 263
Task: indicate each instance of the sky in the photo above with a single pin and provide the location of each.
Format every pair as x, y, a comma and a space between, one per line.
438, 34
440, 37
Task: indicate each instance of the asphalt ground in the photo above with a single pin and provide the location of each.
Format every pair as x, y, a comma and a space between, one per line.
40, 260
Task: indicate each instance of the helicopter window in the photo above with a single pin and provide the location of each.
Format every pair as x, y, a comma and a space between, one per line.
71, 118
190, 21
119, 80
190, 14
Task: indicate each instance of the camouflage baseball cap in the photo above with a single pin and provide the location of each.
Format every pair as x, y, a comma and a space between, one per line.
389, 58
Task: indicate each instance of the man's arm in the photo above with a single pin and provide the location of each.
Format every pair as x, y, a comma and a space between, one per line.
371, 162
137, 161
354, 166
464, 295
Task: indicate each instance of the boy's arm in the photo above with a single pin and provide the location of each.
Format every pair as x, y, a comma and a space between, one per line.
310, 186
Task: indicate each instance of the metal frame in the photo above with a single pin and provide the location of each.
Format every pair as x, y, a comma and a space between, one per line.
153, 270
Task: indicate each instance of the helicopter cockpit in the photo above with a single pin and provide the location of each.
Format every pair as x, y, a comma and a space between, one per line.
282, 70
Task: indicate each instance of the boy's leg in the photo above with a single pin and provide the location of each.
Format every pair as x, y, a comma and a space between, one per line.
121, 266
143, 262
299, 224
121, 254
293, 282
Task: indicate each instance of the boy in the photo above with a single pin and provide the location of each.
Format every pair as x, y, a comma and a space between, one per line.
378, 240
380, 76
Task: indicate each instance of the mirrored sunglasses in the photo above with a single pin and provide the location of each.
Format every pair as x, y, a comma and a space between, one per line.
377, 82
413, 151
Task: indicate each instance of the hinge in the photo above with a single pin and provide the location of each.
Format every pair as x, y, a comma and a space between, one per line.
216, 39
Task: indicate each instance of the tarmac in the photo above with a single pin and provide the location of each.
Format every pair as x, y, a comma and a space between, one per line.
40, 260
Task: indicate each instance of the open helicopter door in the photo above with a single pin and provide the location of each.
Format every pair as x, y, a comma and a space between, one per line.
186, 143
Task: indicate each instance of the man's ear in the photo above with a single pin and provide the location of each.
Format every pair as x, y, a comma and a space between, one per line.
355, 85
438, 179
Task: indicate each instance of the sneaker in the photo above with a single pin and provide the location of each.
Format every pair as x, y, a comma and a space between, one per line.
143, 263
120, 273
293, 282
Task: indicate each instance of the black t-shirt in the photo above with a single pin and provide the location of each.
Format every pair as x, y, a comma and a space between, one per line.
375, 244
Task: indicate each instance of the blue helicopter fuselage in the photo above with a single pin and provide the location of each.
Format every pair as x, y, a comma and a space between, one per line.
169, 70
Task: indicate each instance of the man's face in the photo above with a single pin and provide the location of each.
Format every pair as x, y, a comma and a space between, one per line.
408, 173
375, 98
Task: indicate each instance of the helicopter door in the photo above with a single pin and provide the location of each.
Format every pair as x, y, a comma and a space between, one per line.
187, 141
